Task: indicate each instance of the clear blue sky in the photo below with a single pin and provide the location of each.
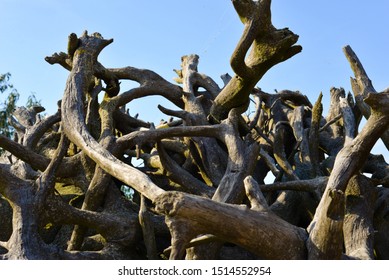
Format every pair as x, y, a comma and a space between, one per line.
154, 34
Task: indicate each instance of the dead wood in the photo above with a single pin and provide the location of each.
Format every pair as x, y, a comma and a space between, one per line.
94, 182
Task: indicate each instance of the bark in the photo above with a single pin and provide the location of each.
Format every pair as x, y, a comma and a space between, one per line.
72, 187
326, 230
147, 230
28, 205
358, 225
199, 216
362, 86
261, 47
210, 153
73, 117
241, 163
381, 224
317, 111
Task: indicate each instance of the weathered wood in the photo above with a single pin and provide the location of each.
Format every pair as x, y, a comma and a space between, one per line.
209, 149
317, 184
336, 129
280, 139
204, 216
74, 124
24, 242
147, 230
253, 56
313, 137
326, 230
381, 224
255, 196
362, 87
361, 84
241, 163
349, 123
212, 157
179, 175
358, 226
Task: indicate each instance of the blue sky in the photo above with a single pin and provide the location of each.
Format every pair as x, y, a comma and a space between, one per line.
155, 34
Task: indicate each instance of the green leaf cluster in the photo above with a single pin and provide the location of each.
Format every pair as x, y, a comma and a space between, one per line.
7, 106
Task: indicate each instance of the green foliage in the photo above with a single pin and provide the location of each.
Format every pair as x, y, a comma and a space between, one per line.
4, 82
8, 105
32, 101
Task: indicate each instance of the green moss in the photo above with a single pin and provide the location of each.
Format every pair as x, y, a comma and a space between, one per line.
68, 189
48, 226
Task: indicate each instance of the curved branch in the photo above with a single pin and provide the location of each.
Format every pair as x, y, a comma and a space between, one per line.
269, 46
270, 162
113, 227
62, 59
37, 161
184, 115
181, 176
237, 60
207, 83
34, 134
154, 135
362, 84
362, 87
74, 124
8, 180
150, 84
47, 181
326, 228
